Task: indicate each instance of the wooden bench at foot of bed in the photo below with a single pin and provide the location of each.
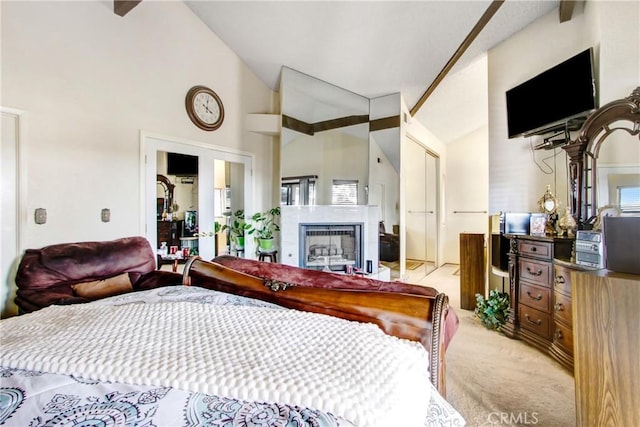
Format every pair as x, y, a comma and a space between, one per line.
415, 317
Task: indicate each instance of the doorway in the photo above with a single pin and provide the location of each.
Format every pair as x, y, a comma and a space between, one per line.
11, 204
422, 195
202, 198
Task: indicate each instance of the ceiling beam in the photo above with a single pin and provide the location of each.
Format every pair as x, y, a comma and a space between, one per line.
122, 7
566, 10
482, 22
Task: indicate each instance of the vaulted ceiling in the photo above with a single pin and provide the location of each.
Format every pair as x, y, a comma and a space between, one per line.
373, 48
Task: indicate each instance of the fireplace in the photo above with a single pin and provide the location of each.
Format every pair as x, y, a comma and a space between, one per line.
332, 246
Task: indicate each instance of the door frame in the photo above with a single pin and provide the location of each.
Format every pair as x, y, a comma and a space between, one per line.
151, 143
13, 204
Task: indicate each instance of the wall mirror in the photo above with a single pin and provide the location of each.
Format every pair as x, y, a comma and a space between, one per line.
602, 174
324, 142
338, 147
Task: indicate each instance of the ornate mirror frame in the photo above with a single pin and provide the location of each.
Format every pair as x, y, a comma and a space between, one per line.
169, 187
622, 114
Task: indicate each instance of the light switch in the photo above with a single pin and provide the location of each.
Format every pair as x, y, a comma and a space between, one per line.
40, 216
105, 215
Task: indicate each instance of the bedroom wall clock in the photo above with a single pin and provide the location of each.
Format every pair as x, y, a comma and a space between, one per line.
204, 108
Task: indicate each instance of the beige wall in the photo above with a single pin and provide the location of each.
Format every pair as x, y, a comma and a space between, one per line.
89, 82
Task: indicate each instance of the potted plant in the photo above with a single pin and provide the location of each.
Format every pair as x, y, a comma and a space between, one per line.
263, 226
237, 228
493, 311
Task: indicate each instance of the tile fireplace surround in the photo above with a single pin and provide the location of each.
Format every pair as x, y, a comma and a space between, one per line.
292, 216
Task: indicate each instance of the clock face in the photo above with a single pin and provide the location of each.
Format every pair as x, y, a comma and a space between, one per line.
204, 108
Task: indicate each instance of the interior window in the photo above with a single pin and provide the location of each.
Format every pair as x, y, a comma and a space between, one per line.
344, 192
629, 198
300, 190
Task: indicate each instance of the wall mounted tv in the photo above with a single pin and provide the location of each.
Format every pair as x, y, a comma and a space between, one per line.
559, 95
182, 164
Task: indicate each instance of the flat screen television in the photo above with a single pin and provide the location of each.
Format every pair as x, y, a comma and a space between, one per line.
182, 164
564, 92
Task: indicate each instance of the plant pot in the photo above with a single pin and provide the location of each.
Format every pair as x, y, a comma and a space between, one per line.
240, 243
265, 245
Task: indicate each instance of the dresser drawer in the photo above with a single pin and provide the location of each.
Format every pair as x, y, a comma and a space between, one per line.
535, 321
534, 248
562, 280
563, 337
535, 297
538, 272
562, 308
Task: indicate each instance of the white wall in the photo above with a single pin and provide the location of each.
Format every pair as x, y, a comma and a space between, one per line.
90, 82
468, 195
517, 175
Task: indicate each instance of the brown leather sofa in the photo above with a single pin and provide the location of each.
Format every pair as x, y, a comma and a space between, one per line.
71, 273
320, 279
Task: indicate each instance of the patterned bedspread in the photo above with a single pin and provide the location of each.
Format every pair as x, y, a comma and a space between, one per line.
31, 396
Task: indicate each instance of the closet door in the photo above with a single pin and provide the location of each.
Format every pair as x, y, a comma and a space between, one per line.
422, 195
416, 202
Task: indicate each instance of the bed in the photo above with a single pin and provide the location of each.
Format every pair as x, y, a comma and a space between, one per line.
228, 349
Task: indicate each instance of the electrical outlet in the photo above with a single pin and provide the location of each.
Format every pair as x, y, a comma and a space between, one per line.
40, 216
105, 215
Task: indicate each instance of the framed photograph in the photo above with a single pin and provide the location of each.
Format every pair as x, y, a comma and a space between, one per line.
537, 224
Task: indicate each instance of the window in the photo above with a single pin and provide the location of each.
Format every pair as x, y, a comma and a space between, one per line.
344, 192
629, 198
299, 190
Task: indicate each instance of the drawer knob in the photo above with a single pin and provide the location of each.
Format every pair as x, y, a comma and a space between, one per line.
559, 335
533, 322
558, 306
533, 249
537, 298
534, 273
559, 280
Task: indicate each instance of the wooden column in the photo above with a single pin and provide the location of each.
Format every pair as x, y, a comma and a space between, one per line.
472, 265
606, 341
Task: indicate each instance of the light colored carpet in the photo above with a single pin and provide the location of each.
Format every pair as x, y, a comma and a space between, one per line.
412, 264
494, 380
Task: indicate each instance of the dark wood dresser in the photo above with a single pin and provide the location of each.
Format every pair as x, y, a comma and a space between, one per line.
540, 295
170, 232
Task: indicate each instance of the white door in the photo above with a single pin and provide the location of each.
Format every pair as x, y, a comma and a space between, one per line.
206, 193
416, 199
422, 196
9, 248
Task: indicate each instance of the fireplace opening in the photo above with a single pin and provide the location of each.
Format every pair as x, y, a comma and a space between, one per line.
331, 247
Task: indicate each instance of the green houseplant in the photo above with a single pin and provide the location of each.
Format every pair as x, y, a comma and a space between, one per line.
263, 226
237, 228
493, 310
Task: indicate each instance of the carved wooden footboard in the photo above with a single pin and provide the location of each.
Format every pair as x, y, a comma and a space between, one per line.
414, 317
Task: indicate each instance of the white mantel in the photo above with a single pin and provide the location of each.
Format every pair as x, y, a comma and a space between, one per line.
293, 216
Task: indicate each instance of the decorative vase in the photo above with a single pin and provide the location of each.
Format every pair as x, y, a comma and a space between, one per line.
567, 223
